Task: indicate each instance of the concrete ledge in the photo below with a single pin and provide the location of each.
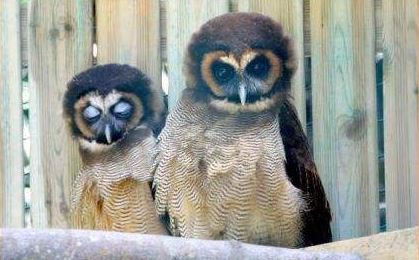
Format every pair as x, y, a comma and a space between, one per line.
78, 244
400, 245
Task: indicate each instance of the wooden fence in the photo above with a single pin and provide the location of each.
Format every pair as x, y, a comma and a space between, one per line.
339, 38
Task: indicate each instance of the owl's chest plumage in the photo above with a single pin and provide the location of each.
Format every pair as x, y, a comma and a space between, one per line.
223, 176
112, 191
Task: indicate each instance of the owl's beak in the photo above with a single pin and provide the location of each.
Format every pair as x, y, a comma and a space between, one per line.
108, 134
242, 94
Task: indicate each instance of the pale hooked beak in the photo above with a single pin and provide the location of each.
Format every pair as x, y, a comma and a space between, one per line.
108, 134
242, 94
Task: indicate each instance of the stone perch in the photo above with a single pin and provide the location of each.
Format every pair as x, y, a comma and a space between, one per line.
86, 244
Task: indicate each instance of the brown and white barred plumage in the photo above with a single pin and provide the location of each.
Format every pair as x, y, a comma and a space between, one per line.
112, 192
212, 177
113, 188
235, 165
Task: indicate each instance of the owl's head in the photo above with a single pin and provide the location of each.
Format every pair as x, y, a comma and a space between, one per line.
104, 103
240, 60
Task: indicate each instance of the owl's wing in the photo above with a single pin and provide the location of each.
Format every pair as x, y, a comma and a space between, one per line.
303, 174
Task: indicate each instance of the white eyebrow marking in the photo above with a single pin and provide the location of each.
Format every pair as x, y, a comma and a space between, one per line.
111, 99
95, 100
246, 58
106, 103
230, 60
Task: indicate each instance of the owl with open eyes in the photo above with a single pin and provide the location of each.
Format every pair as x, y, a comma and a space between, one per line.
233, 161
114, 114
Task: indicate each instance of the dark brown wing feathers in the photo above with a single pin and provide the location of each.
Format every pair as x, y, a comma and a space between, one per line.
302, 173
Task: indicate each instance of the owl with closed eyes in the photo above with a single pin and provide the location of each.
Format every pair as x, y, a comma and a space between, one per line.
114, 114
233, 161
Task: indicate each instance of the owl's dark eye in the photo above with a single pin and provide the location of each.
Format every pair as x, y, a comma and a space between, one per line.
222, 72
122, 110
91, 114
259, 67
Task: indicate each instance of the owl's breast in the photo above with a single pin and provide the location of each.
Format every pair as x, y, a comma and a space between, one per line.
244, 190
228, 181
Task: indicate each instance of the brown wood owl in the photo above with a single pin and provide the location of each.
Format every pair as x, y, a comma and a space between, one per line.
112, 111
234, 162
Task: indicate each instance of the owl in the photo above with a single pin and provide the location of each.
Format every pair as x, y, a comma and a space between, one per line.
114, 114
233, 161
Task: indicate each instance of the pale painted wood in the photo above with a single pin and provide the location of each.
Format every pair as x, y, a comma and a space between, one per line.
344, 112
60, 45
24, 32
163, 31
378, 9
289, 13
417, 111
11, 124
184, 17
400, 112
128, 31
307, 31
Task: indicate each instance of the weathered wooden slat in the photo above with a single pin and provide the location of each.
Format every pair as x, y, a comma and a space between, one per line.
417, 109
128, 31
163, 30
378, 8
307, 30
290, 14
11, 124
400, 112
24, 32
344, 112
184, 17
60, 45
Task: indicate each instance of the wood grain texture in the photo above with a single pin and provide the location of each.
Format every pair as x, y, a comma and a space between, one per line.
400, 245
289, 13
11, 124
184, 17
60, 45
163, 31
417, 111
24, 32
307, 30
128, 31
400, 112
344, 112
378, 9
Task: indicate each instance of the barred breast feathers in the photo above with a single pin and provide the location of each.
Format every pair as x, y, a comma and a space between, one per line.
112, 191
222, 176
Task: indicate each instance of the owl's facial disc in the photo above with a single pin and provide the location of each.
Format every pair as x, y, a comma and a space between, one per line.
109, 126
242, 81
106, 120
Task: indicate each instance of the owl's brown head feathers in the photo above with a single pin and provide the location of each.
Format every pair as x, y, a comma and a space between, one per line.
240, 59
103, 103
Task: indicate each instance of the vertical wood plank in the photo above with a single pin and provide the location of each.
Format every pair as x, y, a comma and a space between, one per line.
128, 31
11, 124
378, 7
163, 31
184, 17
306, 30
417, 112
344, 112
400, 112
60, 45
290, 14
